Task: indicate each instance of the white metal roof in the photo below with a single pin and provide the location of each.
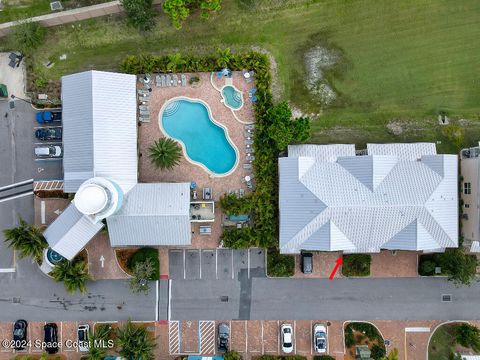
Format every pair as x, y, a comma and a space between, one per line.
70, 232
153, 214
99, 128
368, 203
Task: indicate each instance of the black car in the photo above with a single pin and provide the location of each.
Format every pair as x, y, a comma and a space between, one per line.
50, 338
49, 133
20, 334
223, 336
307, 262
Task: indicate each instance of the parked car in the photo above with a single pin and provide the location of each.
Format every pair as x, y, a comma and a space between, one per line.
20, 334
287, 338
50, 337
307, 262
45, 117
320, 338
82, 334
223, 336
49, 133
48, 151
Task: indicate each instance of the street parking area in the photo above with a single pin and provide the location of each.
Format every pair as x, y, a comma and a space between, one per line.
35, 333
194, 264
251, 337
6, 333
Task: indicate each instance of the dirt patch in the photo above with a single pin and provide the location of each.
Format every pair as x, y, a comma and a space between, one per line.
122, 256
275, 86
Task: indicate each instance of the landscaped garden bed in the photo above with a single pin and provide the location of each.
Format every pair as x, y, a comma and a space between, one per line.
363, 334
279, 265
450, 339
356, 265
129, 258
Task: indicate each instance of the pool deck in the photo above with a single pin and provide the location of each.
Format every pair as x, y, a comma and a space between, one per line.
187, 171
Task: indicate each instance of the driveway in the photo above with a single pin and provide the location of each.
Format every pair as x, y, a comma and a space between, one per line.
340, 299
31, 295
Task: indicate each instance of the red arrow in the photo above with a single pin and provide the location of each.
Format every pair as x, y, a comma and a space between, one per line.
338, 262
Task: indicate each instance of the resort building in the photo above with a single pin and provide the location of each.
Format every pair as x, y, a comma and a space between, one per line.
100, 167
470, 192
394, 197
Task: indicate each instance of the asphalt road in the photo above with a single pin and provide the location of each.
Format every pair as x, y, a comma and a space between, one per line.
31, 295
340, 299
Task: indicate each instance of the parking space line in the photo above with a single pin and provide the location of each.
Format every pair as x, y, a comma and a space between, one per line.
311, 337
278, 332
263, 346
246, 338
207, 337
200, 259
42, 212
248, 263
216, 264
295, 337
184, 267
174, 337
233, 272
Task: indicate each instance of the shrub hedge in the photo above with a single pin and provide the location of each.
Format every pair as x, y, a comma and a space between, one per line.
279, 265
141, 255
323, 357
356, 265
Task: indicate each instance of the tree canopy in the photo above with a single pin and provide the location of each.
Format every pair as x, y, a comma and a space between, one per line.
140, 13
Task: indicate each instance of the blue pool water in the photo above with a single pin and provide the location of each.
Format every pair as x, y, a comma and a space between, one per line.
205, 142
232, 97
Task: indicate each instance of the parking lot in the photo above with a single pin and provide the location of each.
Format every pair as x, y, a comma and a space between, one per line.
67, 334
221, 264
249, 338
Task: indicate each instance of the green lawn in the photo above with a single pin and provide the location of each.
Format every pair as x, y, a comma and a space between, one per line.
404, 61
442, 343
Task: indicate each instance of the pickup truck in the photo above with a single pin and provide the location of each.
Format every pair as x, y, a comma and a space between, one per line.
45, 117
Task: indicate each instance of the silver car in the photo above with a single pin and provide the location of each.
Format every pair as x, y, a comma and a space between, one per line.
320, 338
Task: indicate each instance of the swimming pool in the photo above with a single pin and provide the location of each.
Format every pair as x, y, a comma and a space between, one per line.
204, 141
232, 97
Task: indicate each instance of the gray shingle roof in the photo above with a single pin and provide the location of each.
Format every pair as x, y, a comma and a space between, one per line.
99, 128
70, 232
366, 203
153, 214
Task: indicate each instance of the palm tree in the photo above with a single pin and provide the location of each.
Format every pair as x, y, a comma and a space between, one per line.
175, 61
165, 153
95, 352
135, 342
27, 239
74, 274
224, 57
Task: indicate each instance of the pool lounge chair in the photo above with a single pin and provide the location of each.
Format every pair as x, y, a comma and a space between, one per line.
248, 134
169, 80
144, 118
249, 126
253, 99
163, 80
158, 81
207, 194
175, 79
242, 193
205, 230
249, 150
247, 166
250, 158
248, 142
144, 107
184, 79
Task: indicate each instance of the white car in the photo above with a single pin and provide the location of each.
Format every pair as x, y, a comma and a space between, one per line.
287, 338
48, 151
320, 338
82, 333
